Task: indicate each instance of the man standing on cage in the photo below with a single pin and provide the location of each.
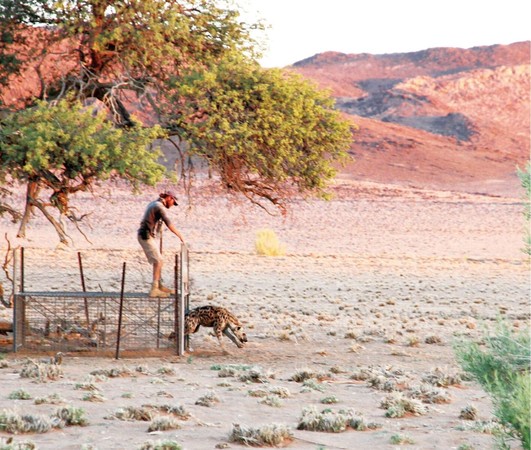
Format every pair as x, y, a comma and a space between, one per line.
149, 230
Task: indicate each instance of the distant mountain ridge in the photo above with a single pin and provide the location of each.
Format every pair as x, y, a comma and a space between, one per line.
466, 102
433, 61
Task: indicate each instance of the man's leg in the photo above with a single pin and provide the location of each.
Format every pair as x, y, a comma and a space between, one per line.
156, 290
157, 270
157, 279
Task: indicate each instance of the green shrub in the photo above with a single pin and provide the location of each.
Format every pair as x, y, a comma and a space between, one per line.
525, 179
501, 365
267, 244
19, 394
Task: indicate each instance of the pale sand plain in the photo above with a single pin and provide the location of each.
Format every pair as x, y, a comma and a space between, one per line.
382, 279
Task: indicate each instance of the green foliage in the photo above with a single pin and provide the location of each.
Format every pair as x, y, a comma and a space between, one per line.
123, 46
525, 178
63, 148
63, 143
19, 394
70, 415
262, 130
267, 244
502, 366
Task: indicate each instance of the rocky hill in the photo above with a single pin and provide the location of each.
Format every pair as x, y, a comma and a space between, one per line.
448, 118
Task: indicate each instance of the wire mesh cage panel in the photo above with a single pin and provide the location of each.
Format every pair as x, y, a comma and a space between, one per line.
88, 321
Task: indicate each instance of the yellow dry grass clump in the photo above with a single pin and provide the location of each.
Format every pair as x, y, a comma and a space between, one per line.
267, 243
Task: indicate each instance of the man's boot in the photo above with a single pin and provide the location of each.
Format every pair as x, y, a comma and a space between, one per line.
157, 292
166, 289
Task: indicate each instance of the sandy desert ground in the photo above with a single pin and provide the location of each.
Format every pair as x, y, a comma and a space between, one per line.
374, 288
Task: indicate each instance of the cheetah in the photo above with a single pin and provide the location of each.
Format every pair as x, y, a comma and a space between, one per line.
221, 319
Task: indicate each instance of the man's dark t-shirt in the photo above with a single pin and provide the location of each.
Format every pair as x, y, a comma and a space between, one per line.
152, 221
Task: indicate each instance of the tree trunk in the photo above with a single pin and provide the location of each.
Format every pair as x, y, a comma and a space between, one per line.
31, 194
58, 227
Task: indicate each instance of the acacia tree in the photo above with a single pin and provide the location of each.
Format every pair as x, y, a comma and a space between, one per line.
61, 149
267, 133
188, 65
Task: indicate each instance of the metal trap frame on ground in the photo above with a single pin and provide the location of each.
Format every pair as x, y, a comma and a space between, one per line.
100, 322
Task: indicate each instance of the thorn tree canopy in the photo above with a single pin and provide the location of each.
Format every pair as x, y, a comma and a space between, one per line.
187, 65
58, 150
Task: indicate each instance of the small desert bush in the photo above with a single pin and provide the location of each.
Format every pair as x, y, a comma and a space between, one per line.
94, 397
400, 439
502, 367
267, 435
208, 399
443, 377
329, 421
161, 445
133, 413
52, 399
166, 370
70, 415
484, 426
278, 391
10, 445
11, 422
312, 385
163, 423
397, 404
305, 374
147, 413
329, 400
173, 410
116, 372
256, 375
430, 394
267, 244
19, 394
469, 412
271, 400
86, 386
41, 371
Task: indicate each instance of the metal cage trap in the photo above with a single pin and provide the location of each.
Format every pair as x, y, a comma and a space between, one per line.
100, 322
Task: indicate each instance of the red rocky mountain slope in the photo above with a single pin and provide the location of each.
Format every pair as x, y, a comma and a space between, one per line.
448, 118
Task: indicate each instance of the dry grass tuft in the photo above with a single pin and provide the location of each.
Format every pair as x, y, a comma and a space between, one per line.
397, 404
52, 399
267, 244
443, 377
161, 445
469, 412
267, 435
429, 394
256, 375
10, 445
305, 374
41, 371
208, 399
163, 423
11, 422
332, 421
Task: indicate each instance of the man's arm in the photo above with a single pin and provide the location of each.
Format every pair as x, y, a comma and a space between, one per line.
176, 232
